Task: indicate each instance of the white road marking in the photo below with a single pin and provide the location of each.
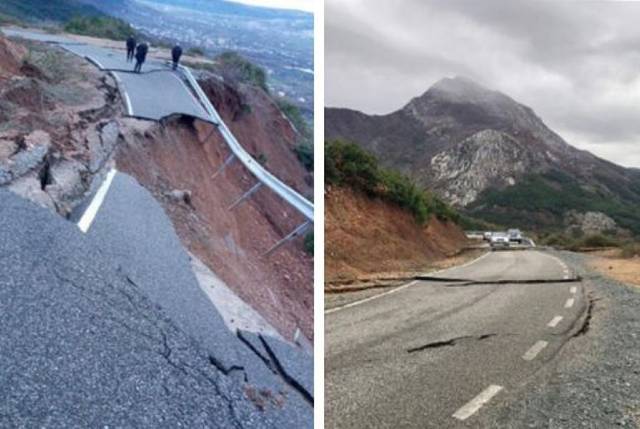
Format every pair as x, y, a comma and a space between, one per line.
569, 303
471, 407
362, 301
533, 351
371, 298
573, 289
90, 214
554, 322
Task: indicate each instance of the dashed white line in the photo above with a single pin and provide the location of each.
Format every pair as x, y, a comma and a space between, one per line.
533, 351
554, 322
569, 303
471, 407
573, 289
90, 214
371, 298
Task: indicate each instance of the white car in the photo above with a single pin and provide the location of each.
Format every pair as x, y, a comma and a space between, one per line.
515, 235
499, 239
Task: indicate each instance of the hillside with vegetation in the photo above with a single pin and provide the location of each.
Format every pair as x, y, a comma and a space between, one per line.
50, 10
378, 221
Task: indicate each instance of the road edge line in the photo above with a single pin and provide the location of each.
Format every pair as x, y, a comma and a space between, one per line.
92, 210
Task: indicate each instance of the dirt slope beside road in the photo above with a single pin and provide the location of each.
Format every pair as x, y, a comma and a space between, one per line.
365, 236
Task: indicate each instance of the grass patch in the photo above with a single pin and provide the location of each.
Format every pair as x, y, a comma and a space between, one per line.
98, 26
347, 164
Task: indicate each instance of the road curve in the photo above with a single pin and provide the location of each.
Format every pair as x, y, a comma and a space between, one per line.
423, 356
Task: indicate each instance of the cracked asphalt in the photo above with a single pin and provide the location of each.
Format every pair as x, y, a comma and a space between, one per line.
110, 328
416, 357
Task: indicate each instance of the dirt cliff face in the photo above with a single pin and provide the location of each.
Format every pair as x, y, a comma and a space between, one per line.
365, 236
11, 58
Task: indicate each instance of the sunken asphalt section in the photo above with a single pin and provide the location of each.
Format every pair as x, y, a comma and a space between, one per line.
156, 93
420, 356
111, 328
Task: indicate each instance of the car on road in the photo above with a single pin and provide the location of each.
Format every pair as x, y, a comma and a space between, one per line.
499, 240
515, 235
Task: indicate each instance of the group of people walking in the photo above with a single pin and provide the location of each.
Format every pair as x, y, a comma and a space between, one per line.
139, 52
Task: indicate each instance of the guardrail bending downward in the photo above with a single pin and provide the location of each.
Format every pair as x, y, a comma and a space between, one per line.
304, 206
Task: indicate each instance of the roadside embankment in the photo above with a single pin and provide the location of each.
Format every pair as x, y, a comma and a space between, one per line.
370, 239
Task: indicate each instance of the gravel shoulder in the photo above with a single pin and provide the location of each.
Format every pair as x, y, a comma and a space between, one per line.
594, 381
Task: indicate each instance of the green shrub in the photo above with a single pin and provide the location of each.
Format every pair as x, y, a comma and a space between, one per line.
598, 240
308, 243
103, 27
304, 151
195, 52
630, 250
347, 164
238, 68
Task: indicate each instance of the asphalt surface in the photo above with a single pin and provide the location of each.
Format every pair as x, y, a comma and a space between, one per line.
417, 356
110, 328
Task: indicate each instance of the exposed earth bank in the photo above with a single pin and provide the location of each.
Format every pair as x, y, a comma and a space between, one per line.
365, 236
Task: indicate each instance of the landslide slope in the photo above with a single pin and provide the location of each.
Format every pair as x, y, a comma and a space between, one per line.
491, 156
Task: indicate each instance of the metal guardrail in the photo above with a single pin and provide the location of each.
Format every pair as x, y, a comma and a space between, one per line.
304, 206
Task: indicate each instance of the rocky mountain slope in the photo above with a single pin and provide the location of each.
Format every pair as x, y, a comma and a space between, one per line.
492, 157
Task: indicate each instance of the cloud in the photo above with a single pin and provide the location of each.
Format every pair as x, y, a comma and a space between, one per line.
577, 64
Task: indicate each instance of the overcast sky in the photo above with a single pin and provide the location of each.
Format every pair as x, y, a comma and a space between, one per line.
576, 63
304, 5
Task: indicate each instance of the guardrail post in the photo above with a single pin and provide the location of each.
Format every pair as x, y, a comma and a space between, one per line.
296, 232
245, 195
228, 161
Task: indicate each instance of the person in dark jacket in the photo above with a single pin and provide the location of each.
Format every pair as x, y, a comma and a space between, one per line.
131, 47
141, 56
176, 53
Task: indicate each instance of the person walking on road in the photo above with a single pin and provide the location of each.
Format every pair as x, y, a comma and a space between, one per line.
141, 56
131, 47
176, 53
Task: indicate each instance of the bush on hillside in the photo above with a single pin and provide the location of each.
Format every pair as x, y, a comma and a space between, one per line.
308, 243
238, 68
630, 250
304, 151
195, 52
346, 164
102, 27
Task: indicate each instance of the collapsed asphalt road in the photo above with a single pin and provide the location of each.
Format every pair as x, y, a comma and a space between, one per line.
102, 323
436, 354
156, 93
